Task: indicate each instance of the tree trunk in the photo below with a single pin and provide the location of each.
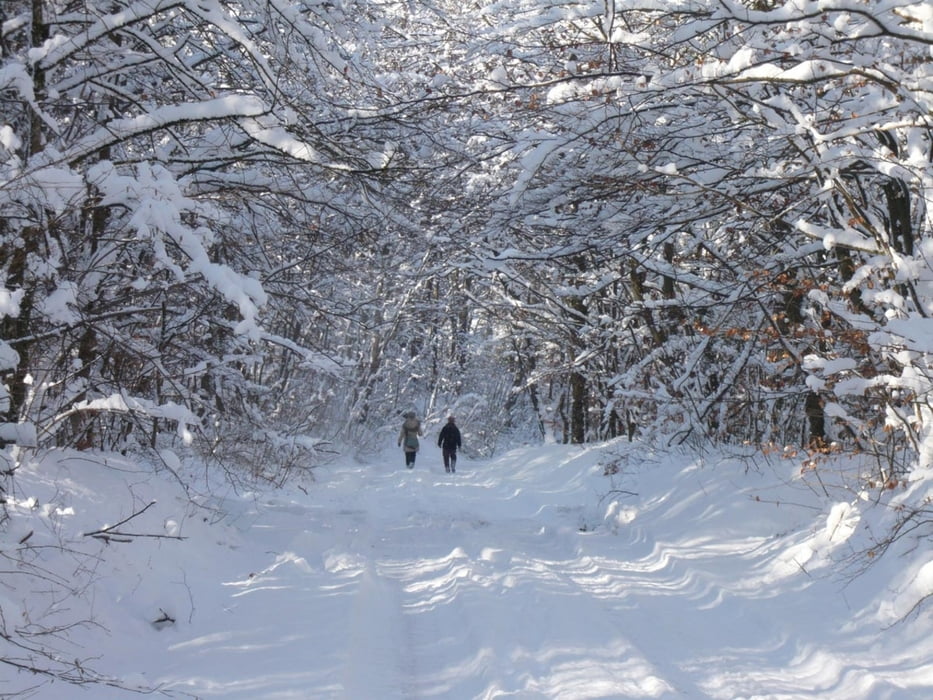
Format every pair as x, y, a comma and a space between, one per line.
577, 408
816, 418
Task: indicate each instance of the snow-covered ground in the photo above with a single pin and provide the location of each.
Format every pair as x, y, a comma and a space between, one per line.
531, 575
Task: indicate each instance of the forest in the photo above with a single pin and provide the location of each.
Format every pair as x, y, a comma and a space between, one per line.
283, 223
260, 230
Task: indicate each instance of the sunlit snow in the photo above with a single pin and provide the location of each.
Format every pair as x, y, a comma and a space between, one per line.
547, 572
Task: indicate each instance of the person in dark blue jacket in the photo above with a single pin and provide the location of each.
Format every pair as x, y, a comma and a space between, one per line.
449, 442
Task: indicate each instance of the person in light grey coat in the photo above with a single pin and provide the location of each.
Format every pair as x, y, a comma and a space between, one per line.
408, 438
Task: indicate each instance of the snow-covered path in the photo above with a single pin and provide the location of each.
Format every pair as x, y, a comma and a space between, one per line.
472, 595
427, 585
533, 575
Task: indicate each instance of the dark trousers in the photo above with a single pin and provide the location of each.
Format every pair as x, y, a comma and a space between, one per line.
410, 459
450, 459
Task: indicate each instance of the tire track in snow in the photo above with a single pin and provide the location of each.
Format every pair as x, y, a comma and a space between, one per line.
492, 606
484, 590
378, 665
377, 646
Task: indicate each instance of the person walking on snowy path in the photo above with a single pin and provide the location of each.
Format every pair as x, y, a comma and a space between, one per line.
408, 438
449, 442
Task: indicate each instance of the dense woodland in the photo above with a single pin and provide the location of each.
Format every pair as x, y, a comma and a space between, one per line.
274, 224
262, 229
277, 224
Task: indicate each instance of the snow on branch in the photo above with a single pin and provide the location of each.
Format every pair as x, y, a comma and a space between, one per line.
844, 237
280, 140
58, 48
119, 403
904, 20
118, 130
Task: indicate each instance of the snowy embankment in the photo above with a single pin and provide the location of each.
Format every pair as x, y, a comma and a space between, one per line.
533, 575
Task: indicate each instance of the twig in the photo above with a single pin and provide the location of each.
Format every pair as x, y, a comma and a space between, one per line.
110, 533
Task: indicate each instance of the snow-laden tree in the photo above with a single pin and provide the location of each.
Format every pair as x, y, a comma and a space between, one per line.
695, 168
841, 92
179, 178
581, 234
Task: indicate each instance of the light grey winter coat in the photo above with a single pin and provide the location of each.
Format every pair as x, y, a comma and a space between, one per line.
411, 429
